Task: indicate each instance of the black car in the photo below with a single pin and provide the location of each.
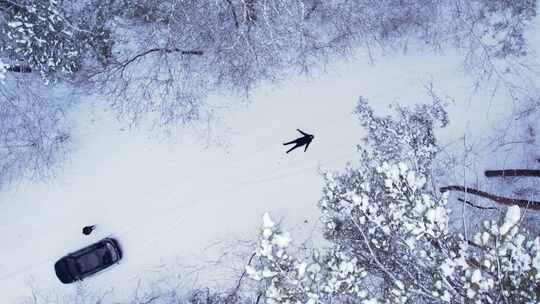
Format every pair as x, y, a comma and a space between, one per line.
87, 261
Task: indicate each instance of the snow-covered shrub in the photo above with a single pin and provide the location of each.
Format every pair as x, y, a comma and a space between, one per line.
33, 135
503, 25
390, 244
500, 264
408, 137
389, 237
83, 294
286, 279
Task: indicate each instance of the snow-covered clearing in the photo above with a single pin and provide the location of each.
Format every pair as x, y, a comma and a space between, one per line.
178, 202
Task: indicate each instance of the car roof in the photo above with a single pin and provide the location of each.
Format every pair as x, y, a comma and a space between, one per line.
91, 261
91, 248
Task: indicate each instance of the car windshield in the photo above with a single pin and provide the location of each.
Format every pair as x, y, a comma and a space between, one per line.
93, 259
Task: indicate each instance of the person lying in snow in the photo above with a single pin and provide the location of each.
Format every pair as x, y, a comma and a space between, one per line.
301, 141
88, 229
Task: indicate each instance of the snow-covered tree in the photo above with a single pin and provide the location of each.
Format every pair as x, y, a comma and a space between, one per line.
389, 237
38, 34
408, 137
52, 37
172, 54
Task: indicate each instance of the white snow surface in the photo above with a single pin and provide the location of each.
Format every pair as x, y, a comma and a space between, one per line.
179, 202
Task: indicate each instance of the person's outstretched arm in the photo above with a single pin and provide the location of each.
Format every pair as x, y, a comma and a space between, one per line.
305, 134
307, 146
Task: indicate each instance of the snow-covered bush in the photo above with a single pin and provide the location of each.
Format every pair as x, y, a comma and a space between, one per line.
83, 294
502, 25
408, 137
33, 135
500, 264
390, 241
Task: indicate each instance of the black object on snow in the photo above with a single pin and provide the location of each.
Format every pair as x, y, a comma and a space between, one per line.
301, 141
87, 261
88, 229
19, 68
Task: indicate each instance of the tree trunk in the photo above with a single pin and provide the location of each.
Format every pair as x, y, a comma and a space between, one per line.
512, 172
19, 68
532, 205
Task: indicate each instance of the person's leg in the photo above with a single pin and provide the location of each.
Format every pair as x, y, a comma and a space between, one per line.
295, 146
290, 142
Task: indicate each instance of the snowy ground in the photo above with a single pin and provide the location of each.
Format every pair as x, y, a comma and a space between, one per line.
168, 202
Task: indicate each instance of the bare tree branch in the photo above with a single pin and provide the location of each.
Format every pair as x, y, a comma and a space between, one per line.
238, 284
124, 64
233, 12
476, 206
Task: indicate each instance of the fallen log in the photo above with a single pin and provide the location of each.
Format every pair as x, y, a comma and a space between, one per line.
527, 204
512, 172
19, 68
476, 206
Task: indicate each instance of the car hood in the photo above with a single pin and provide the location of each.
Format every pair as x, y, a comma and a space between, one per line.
62, 271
